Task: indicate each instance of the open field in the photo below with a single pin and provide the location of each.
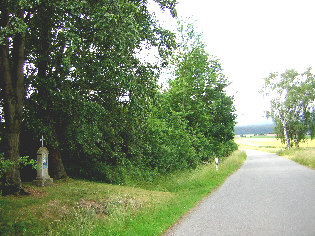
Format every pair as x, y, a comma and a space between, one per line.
268, 143
304, 155
80, 207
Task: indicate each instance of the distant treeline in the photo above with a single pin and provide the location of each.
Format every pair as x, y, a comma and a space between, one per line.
254, 129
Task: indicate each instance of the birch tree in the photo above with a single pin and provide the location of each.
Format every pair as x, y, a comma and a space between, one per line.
291, 103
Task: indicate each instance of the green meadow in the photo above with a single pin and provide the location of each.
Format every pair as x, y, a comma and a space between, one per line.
80, 207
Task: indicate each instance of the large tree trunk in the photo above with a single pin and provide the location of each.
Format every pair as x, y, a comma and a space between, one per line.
11, 183
57, 169
12, 84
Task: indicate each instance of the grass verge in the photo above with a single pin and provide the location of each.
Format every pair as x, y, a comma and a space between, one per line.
77, 207
304, 156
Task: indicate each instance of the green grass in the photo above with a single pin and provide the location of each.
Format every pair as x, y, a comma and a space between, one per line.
78, 207
304, 156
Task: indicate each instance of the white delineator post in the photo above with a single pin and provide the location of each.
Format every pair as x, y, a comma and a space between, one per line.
216, 162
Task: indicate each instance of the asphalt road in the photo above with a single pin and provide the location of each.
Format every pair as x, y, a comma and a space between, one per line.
269, 195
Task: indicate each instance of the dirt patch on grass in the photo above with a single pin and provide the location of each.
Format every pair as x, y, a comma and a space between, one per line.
35, 192
107, 207
55, 210
98, 207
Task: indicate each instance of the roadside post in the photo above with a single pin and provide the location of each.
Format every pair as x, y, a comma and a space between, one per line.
216, 162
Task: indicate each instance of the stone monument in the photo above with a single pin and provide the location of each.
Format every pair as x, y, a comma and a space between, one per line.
43, 178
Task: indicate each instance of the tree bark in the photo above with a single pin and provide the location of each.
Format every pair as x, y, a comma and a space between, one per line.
56, 166
12, 84
286, 134
57, 171
297, 141
11, 182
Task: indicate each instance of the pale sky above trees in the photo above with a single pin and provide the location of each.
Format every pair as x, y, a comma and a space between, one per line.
253, 39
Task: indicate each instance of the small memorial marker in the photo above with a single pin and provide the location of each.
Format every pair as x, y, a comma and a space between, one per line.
43, 178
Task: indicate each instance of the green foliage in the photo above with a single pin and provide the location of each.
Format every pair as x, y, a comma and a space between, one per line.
80, 107
197, 94
99, 105
26, 161
311, 124
292, 104
5, 165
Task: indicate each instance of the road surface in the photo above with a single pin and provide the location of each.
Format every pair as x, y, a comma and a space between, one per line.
269, 195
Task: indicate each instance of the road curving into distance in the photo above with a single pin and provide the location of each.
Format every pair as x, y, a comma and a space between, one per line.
269, 195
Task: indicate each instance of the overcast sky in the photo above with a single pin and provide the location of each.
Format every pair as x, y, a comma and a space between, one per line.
253, 38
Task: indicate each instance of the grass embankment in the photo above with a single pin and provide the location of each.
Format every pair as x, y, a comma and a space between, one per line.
304, 155
78, 207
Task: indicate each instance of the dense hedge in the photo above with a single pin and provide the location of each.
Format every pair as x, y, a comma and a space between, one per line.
102, 136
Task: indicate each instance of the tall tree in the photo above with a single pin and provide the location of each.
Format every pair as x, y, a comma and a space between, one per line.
292, 100
74, 50
13, 22
197, 91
